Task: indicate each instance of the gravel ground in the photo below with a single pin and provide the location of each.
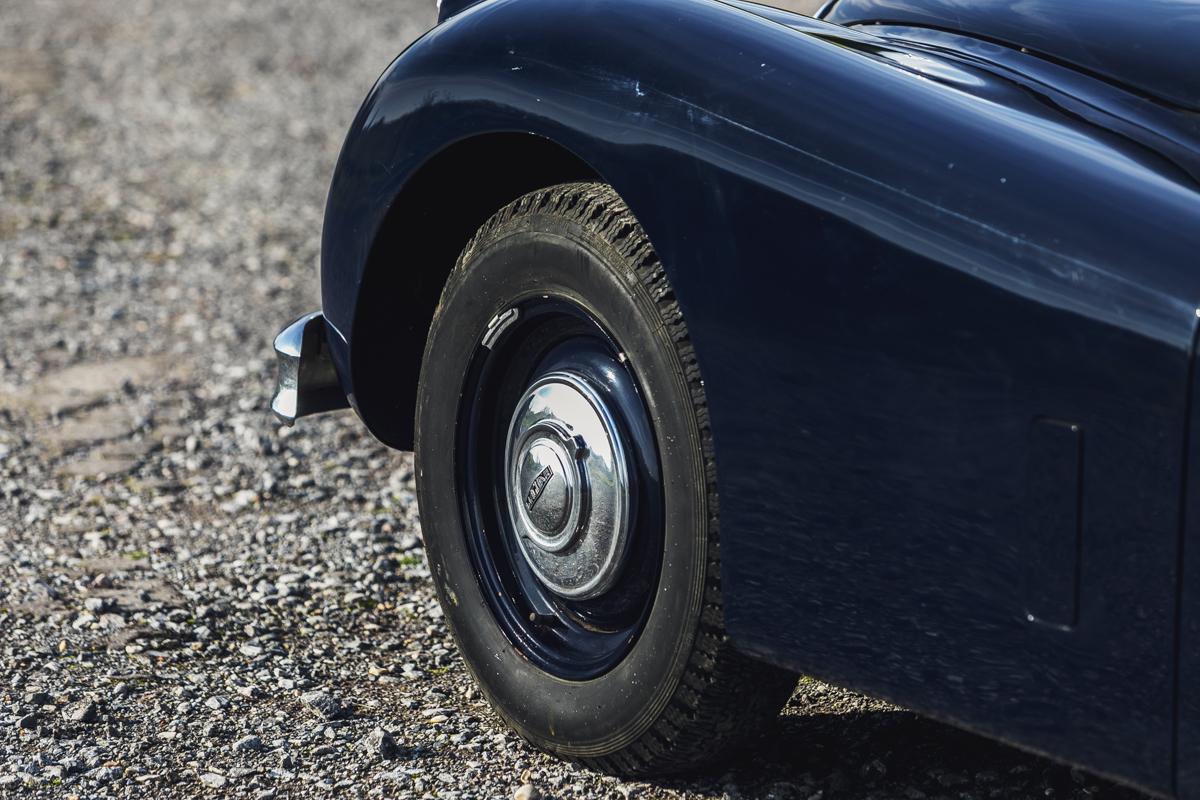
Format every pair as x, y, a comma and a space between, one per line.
193, 601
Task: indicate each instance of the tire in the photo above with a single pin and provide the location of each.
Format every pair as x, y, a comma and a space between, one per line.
641, 678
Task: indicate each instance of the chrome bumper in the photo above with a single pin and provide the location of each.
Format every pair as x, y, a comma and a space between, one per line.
307, 382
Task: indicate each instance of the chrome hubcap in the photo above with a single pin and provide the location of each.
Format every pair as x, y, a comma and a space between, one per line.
568, 486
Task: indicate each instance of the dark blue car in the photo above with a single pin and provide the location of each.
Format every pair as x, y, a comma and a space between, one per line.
734, 344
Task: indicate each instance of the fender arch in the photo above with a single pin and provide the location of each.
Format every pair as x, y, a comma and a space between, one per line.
426, 227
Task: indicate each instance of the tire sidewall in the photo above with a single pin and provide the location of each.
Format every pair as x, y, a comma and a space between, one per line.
534, 255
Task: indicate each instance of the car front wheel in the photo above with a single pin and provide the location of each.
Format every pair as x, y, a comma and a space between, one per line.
567, 491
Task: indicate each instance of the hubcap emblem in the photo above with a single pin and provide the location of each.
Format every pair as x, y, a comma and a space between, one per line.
535, 489
549, 494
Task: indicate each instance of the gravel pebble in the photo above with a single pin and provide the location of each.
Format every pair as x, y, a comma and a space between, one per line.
326, 705
83, 711
381, 743
213, 780
97, 603
248, 744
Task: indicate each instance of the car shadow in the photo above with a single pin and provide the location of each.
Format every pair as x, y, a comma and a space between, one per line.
892, 753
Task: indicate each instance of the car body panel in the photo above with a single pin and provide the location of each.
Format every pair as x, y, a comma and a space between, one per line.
923, 290
1151, 45
1187, 746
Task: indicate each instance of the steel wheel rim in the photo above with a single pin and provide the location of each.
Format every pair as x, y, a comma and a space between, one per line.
581, 631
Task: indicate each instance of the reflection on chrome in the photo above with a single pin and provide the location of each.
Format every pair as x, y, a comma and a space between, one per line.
568, 486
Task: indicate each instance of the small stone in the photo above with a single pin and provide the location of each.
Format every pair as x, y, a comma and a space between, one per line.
248, 744
28, 722
325, 704
38, 698
217, 702
526, 792
84, 712
250, 650
104, 774
213, 780
97, 604
381, 743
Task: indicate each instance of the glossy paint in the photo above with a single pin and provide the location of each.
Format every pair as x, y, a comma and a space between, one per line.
1150, 45
935, 285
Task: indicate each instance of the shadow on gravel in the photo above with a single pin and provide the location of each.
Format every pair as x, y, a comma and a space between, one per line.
895, 754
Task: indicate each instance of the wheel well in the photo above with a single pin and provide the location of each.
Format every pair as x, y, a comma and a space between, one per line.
429, 222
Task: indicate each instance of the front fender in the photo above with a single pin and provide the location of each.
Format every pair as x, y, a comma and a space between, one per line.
666, 99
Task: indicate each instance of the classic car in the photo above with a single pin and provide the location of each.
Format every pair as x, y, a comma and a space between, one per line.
734, 344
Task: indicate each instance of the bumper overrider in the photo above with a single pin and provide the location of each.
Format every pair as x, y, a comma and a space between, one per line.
307, 383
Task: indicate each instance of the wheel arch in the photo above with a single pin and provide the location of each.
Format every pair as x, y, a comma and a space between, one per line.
428, 223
